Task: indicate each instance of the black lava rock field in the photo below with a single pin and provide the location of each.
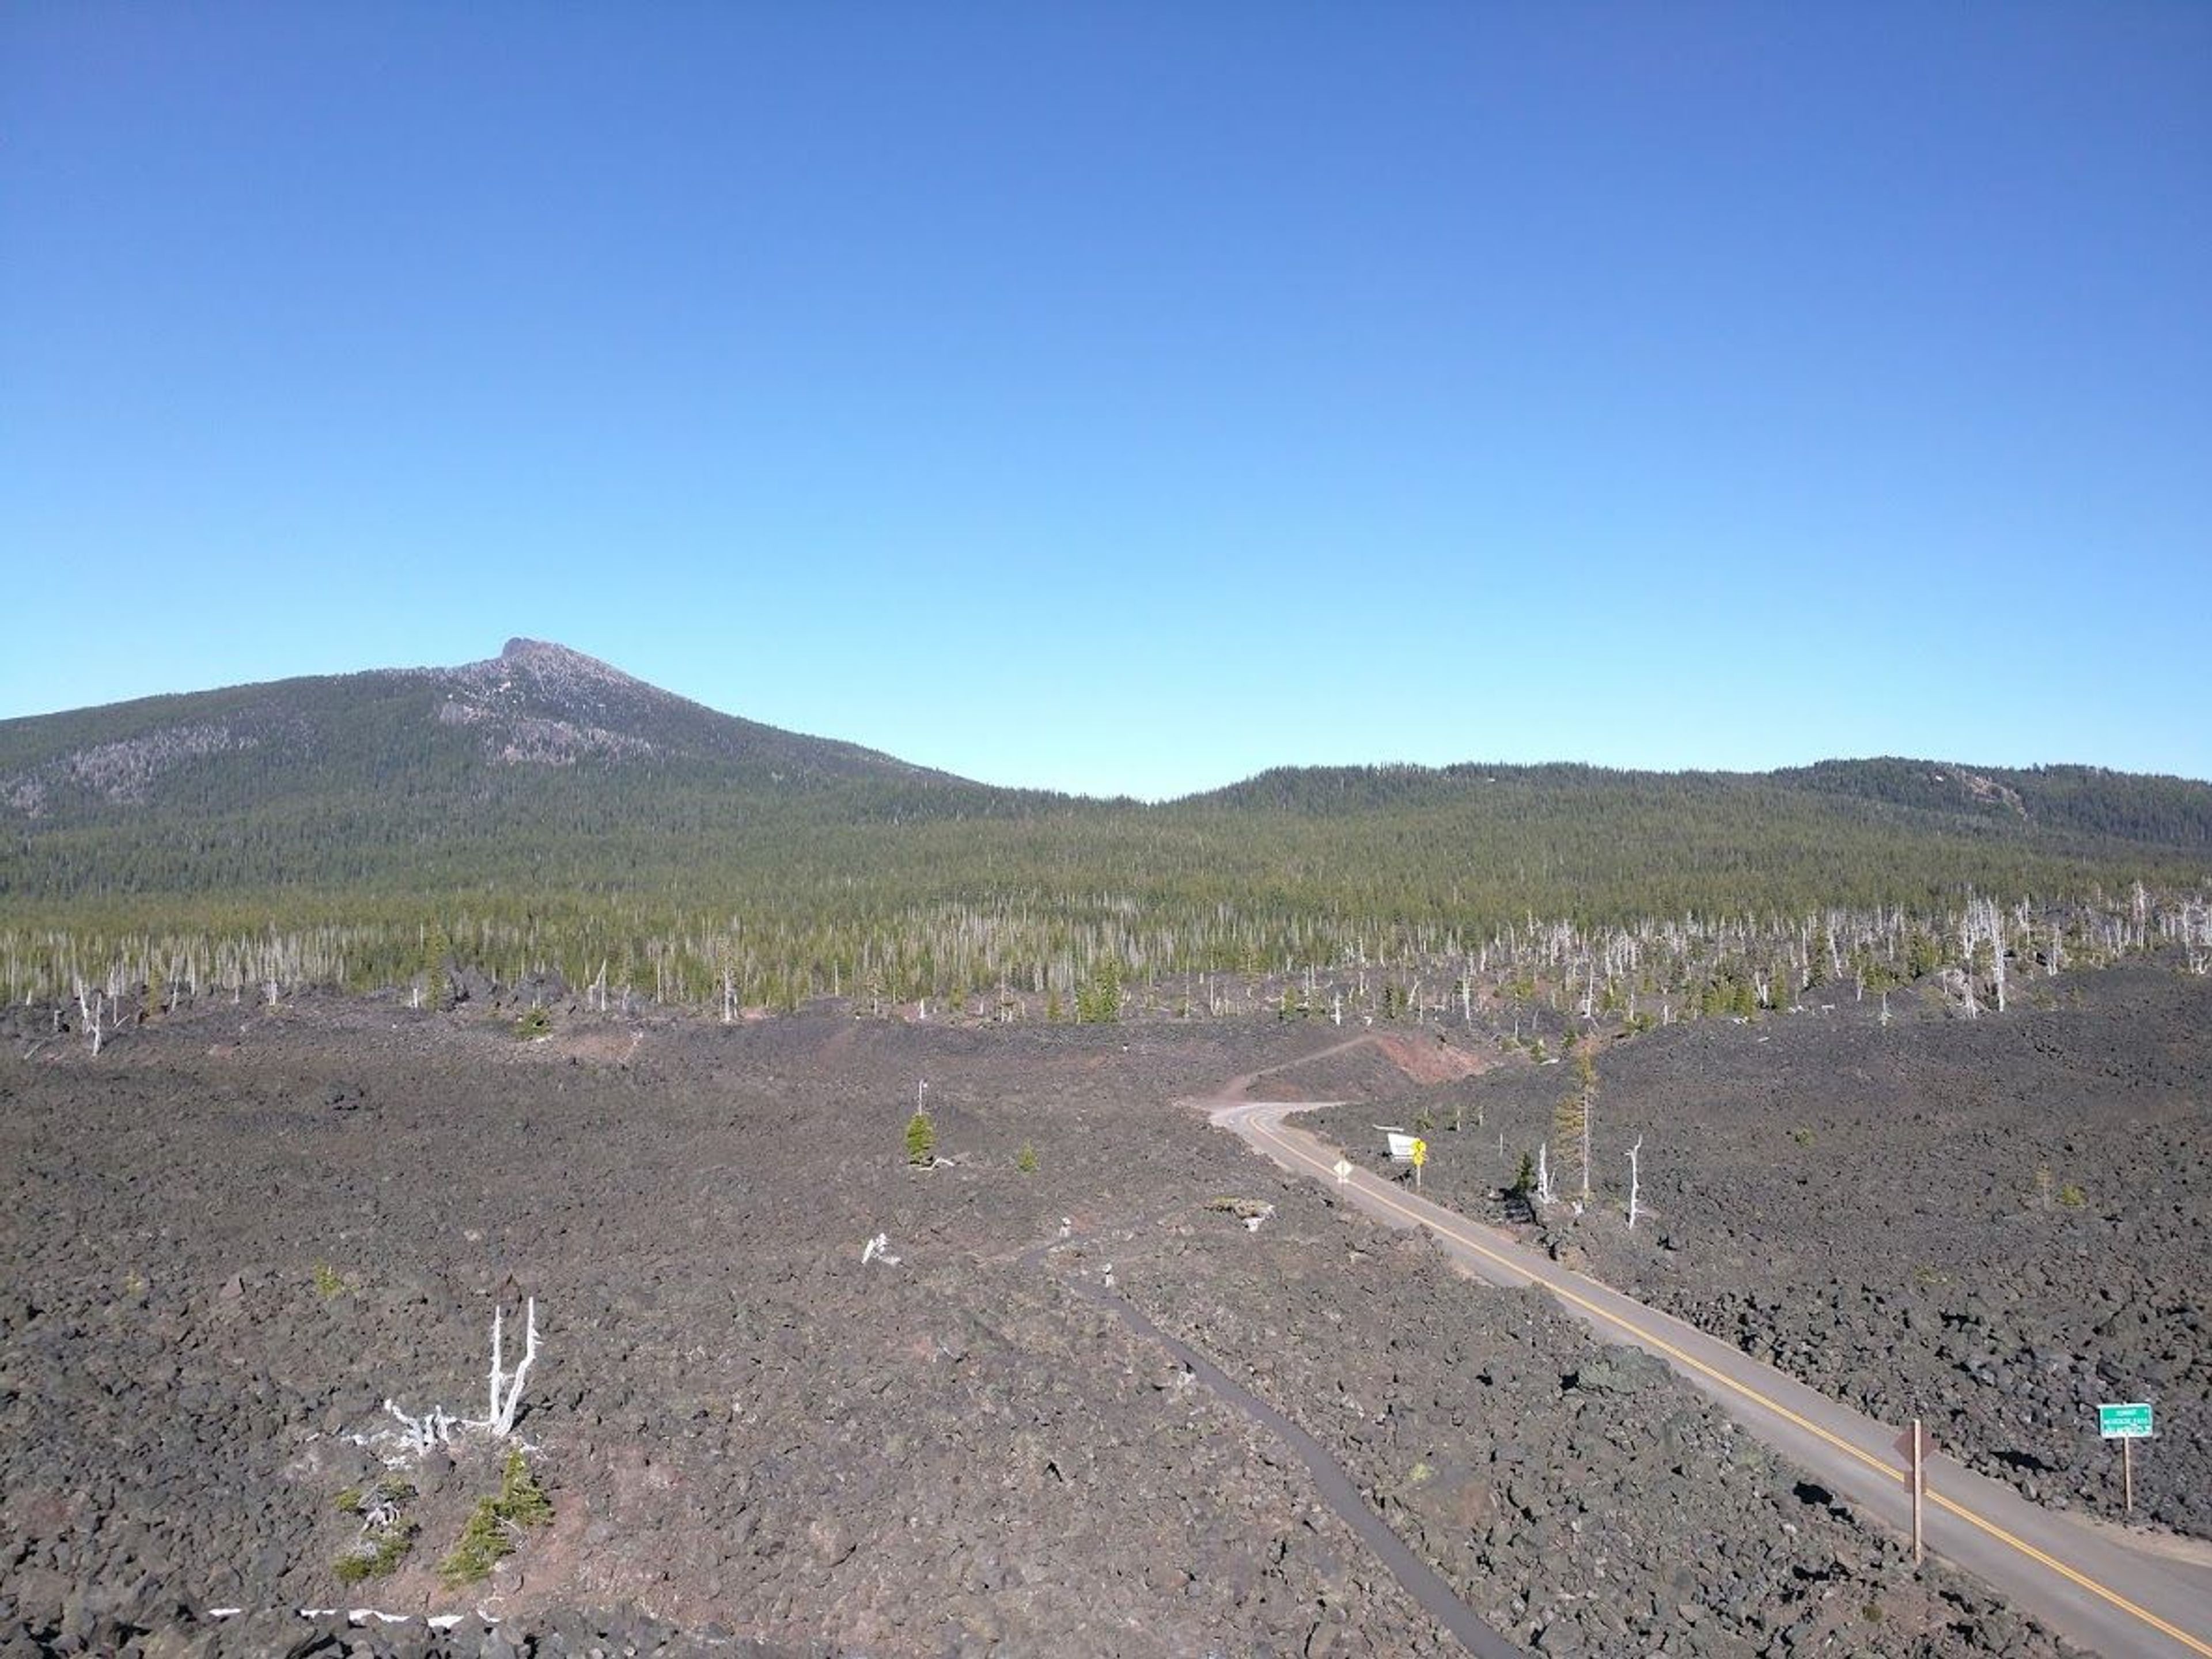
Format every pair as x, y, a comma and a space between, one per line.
796, 1394
1992, 1225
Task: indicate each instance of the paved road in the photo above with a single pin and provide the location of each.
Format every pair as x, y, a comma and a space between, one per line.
2089, 1586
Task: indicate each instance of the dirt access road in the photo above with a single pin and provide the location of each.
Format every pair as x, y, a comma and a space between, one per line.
2092, 1586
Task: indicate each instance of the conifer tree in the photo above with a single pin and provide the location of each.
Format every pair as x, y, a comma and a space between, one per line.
1572, 1117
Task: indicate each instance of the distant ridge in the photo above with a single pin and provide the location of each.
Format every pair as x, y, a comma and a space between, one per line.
543, 776
2060, 801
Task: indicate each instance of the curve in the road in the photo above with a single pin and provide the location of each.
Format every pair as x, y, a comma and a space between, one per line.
1259, 1124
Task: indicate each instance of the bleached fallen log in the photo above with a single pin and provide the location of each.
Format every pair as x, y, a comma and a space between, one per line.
418, 1434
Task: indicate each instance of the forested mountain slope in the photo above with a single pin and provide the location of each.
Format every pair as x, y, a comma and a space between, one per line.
481, 732
560, 799
424, 779
2083, 802
2051, 804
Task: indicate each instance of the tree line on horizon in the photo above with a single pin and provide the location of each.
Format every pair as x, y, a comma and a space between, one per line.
382, 847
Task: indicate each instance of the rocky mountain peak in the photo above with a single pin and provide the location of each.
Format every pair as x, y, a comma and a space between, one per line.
558, 662
542, 702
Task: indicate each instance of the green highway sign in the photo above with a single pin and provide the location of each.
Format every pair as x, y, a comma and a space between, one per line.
2130, 1422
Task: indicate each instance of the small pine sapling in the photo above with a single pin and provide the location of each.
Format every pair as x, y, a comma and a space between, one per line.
495, 1524
920, 1140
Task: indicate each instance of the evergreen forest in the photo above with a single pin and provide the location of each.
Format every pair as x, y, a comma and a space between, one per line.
543, 819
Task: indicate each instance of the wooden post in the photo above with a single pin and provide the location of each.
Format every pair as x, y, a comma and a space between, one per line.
1914, 1445
1919, 1489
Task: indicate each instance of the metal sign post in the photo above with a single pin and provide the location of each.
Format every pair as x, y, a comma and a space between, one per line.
1420, 1156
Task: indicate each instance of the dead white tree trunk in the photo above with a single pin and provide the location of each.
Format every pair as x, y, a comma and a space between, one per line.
1983, 923
501, 1421
1634, 1187
1543, 1172
90, 1004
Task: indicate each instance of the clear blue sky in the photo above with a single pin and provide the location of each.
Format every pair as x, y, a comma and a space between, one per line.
1125, 397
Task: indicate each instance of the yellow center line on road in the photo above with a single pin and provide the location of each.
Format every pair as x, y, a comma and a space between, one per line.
1270, 1133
